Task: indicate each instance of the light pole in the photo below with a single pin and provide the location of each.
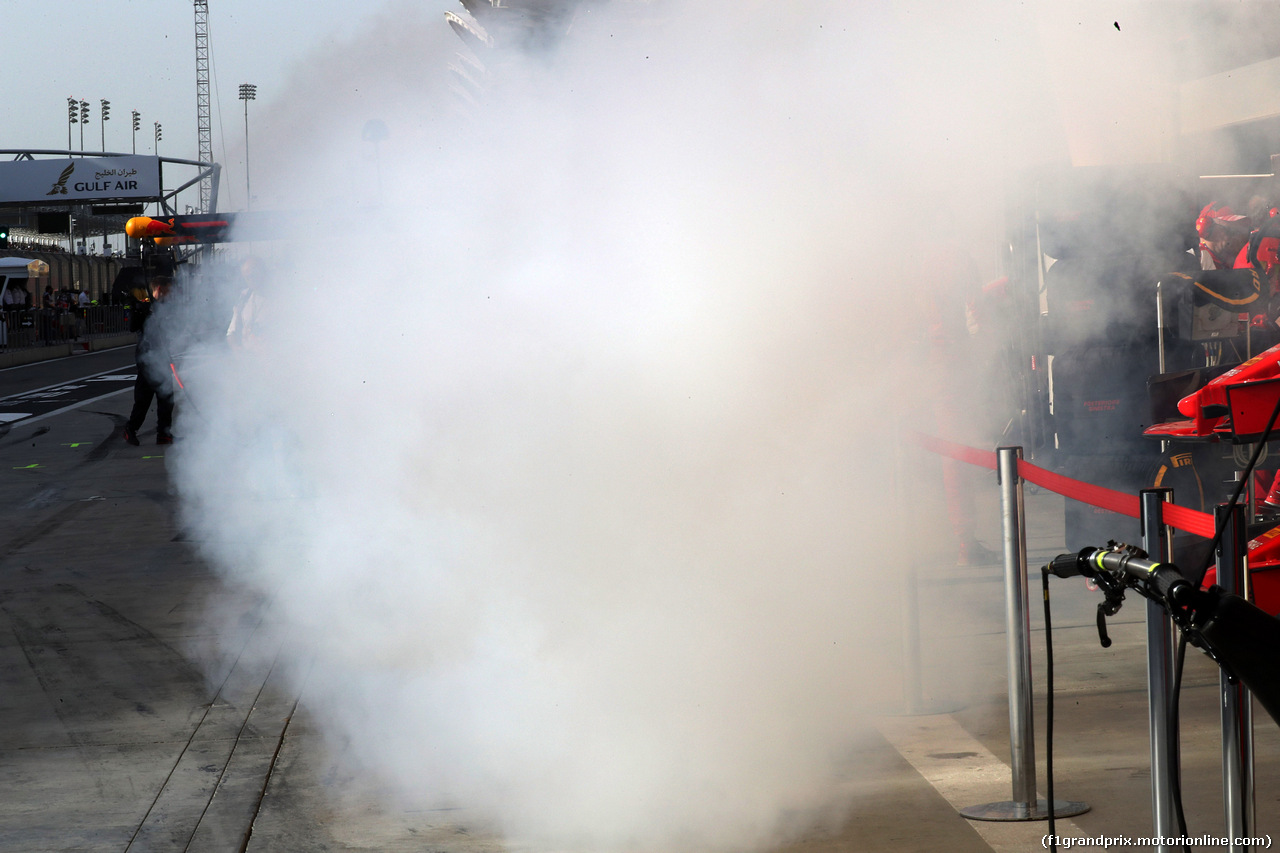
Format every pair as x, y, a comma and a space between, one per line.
136, 125
248, 92
73, 113
84, 119
106, 114
157, 147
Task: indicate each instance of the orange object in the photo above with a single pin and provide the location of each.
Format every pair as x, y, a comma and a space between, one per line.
141, 227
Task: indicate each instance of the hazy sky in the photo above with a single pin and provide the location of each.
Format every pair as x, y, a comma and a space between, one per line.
1106, 84
140, 55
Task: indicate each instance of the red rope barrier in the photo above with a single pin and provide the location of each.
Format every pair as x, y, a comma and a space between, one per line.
1099, 496
1181, 517
1190, 520
972, 455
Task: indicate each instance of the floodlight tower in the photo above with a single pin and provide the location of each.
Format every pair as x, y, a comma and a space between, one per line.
73, 117
106, 114
203, 127
248, 92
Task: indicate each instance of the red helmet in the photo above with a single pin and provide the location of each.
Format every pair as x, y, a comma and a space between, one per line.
1223, 217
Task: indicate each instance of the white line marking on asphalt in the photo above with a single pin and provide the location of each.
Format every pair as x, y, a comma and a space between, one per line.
74, 406
104, 375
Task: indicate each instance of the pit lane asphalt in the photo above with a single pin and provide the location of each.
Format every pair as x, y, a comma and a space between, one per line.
36, 390
117, 734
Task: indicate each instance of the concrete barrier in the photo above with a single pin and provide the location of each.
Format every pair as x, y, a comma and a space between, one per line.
30, 355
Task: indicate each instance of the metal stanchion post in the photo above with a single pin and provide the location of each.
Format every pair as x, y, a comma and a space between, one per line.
1157, 541
913, 678
1024, 805
917, 700
1018, 627
1237, 711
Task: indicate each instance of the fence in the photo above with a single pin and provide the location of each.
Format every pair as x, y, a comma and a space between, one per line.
39, 327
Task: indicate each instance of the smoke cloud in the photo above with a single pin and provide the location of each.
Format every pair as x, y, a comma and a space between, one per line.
565, 451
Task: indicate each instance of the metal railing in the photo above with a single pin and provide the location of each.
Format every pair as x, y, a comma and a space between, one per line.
38, 327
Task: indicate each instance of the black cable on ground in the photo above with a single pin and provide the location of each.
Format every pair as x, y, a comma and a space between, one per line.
1175, 778
1048, 703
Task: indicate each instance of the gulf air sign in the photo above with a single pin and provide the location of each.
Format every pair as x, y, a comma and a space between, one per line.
79, 179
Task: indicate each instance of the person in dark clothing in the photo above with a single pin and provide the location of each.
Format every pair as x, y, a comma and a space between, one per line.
152, 382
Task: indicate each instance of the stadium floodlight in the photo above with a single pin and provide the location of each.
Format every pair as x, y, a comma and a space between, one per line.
73, 117
248, 92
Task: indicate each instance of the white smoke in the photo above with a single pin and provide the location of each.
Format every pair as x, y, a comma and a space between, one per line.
569, 465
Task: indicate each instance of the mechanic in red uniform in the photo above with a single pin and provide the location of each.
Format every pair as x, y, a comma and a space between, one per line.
1223, 233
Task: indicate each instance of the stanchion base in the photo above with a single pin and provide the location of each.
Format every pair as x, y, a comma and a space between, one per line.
1023, 811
